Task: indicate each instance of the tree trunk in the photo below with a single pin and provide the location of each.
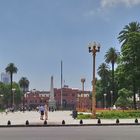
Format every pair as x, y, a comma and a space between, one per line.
113, 88
11, 76
134, 99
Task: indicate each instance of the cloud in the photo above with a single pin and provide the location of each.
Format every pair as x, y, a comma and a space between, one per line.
113, 3
103, 9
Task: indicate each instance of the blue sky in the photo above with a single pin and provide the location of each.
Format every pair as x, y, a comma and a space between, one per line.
37, 34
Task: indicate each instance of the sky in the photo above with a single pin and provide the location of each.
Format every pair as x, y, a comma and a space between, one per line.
36, 35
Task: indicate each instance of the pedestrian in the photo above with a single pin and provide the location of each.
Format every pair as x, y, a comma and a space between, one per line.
46, 112
41, 110
6, 110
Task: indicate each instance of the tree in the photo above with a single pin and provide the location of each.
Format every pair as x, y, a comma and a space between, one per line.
103, 72
17, 94
99, 95
130, 39
11, 69
5, 91
124, 34
4, 94
130, 62
124, 100
24, 85
111, 56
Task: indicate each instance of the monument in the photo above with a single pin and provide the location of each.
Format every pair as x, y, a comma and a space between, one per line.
52, 102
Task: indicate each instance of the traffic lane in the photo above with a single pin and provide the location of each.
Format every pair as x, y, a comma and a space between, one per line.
71, 133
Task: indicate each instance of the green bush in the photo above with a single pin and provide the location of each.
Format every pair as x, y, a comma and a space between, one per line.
84, 116
112, 115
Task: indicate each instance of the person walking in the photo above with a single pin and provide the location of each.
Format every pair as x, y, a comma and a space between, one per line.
41, 110
46, 112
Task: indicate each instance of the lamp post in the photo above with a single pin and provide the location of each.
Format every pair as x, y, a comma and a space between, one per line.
111, 98
80, 106
83, 81
93, 48
105, 100
13, 91
79, 99
23, 99
1, 100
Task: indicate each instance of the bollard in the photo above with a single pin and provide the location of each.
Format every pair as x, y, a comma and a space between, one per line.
27, 122
63, 122
9, 122
136, 120
99, 121
117, 121
45, 122
81, 122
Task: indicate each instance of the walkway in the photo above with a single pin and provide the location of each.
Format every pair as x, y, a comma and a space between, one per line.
54, 118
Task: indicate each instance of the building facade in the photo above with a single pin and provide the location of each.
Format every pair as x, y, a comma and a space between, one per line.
71, 99
35, 98
5, 78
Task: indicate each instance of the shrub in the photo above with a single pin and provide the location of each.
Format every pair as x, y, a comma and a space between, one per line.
114, 114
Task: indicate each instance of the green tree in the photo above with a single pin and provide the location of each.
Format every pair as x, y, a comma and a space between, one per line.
24, 85
17, 94
11, 69
99, 90
5, 92
130, 62
124, 34
111, 56
130, 38
4, 95
124, 99
104, 73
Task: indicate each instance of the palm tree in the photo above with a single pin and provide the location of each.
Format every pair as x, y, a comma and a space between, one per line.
24, 85
124, 34
111, 57
11, 69
103, 71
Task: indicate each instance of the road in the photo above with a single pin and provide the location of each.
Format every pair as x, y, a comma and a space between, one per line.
71, 133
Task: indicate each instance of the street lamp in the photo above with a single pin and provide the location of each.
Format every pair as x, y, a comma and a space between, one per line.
1, 100
23, 99
111, 95
105, 100
83, 81
93, 48
13, 91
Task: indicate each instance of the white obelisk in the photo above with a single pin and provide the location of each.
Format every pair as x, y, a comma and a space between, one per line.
52, 102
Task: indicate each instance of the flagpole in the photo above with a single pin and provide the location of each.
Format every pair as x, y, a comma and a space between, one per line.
61, 85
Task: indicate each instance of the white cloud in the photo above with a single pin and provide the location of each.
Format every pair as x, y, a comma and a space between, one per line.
113, 3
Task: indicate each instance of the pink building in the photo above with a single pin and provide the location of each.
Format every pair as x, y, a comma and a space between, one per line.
71, 99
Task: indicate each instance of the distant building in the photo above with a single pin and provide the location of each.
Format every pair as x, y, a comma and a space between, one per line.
71, 98
5, 78
35, 98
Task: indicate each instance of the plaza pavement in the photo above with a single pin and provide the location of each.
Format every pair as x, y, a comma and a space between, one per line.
54, 118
